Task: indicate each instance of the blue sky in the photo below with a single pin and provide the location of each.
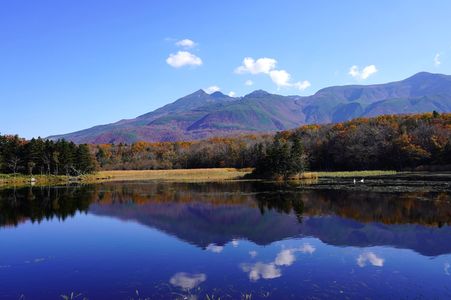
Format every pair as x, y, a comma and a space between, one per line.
69, 65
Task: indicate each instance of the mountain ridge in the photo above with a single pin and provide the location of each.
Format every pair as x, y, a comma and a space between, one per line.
201, 115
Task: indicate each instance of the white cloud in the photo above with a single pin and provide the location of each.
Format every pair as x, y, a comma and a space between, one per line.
366, 72
253, 253
232, 94
187, 281
215, 248
354, 71
186, 43
248, 82
302, 85
261, 65
267, 66
212, 89
183, 58
437, 61
371, 258
280, 77
261, 270
446, 267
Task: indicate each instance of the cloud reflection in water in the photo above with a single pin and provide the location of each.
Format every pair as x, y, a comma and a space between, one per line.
370, 257
286, 257
214, 248
261, 270
187, 281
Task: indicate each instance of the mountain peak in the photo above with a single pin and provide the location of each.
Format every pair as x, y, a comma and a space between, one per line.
217, 94
424, 76
199, 92
423, 73
257, 94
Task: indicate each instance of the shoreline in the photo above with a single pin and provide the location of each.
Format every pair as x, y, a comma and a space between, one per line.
374, 181
177, 175
212, 175
182, 175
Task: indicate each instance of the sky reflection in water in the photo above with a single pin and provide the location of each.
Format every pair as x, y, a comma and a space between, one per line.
222, 240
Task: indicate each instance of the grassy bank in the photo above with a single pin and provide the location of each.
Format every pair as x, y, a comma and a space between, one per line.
356, 173
217, 174
186, 175
194, 175
19, 179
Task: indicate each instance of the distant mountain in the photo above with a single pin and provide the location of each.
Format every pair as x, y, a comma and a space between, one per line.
201, 115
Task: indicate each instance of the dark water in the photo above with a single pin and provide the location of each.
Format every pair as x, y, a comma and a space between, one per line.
227, 241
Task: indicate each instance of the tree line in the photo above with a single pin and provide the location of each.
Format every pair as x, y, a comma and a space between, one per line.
44, 157
389, 142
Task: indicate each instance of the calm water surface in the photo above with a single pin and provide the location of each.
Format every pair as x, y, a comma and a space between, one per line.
230, 241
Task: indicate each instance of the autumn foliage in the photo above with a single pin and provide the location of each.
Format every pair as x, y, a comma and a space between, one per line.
384, 142
390, 142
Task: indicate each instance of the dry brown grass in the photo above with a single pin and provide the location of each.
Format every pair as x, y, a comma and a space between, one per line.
182, 175
216, 174
308, 175
356, 173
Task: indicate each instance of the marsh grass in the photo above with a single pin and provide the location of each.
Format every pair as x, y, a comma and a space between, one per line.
307, 175
178, 175
356, 173
216, 174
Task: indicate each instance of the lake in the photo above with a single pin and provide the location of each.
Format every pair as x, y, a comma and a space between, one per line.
236, 240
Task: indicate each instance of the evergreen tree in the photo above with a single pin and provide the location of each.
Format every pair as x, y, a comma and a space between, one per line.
297, 157
84, 160
281, 159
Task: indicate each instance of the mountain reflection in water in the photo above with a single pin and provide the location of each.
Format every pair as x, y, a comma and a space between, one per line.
214, 214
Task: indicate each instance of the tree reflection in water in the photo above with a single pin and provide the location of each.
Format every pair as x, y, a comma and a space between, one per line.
206, 214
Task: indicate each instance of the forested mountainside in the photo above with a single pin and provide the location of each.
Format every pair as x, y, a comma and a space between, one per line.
201, 115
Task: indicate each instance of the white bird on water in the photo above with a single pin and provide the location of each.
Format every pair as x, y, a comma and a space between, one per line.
362, 180
354, 180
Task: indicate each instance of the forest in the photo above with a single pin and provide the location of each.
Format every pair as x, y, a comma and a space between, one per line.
389, 142
44, 157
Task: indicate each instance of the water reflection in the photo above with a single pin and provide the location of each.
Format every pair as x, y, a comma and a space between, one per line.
271, 270
214, 248
253, 253
212, 215
370, 257
261, 270
187, 281
228, 241
38, 204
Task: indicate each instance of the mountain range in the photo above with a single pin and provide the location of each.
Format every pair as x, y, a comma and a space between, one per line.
201, 115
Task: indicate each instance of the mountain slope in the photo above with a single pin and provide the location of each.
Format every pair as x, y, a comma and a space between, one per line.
200, 115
